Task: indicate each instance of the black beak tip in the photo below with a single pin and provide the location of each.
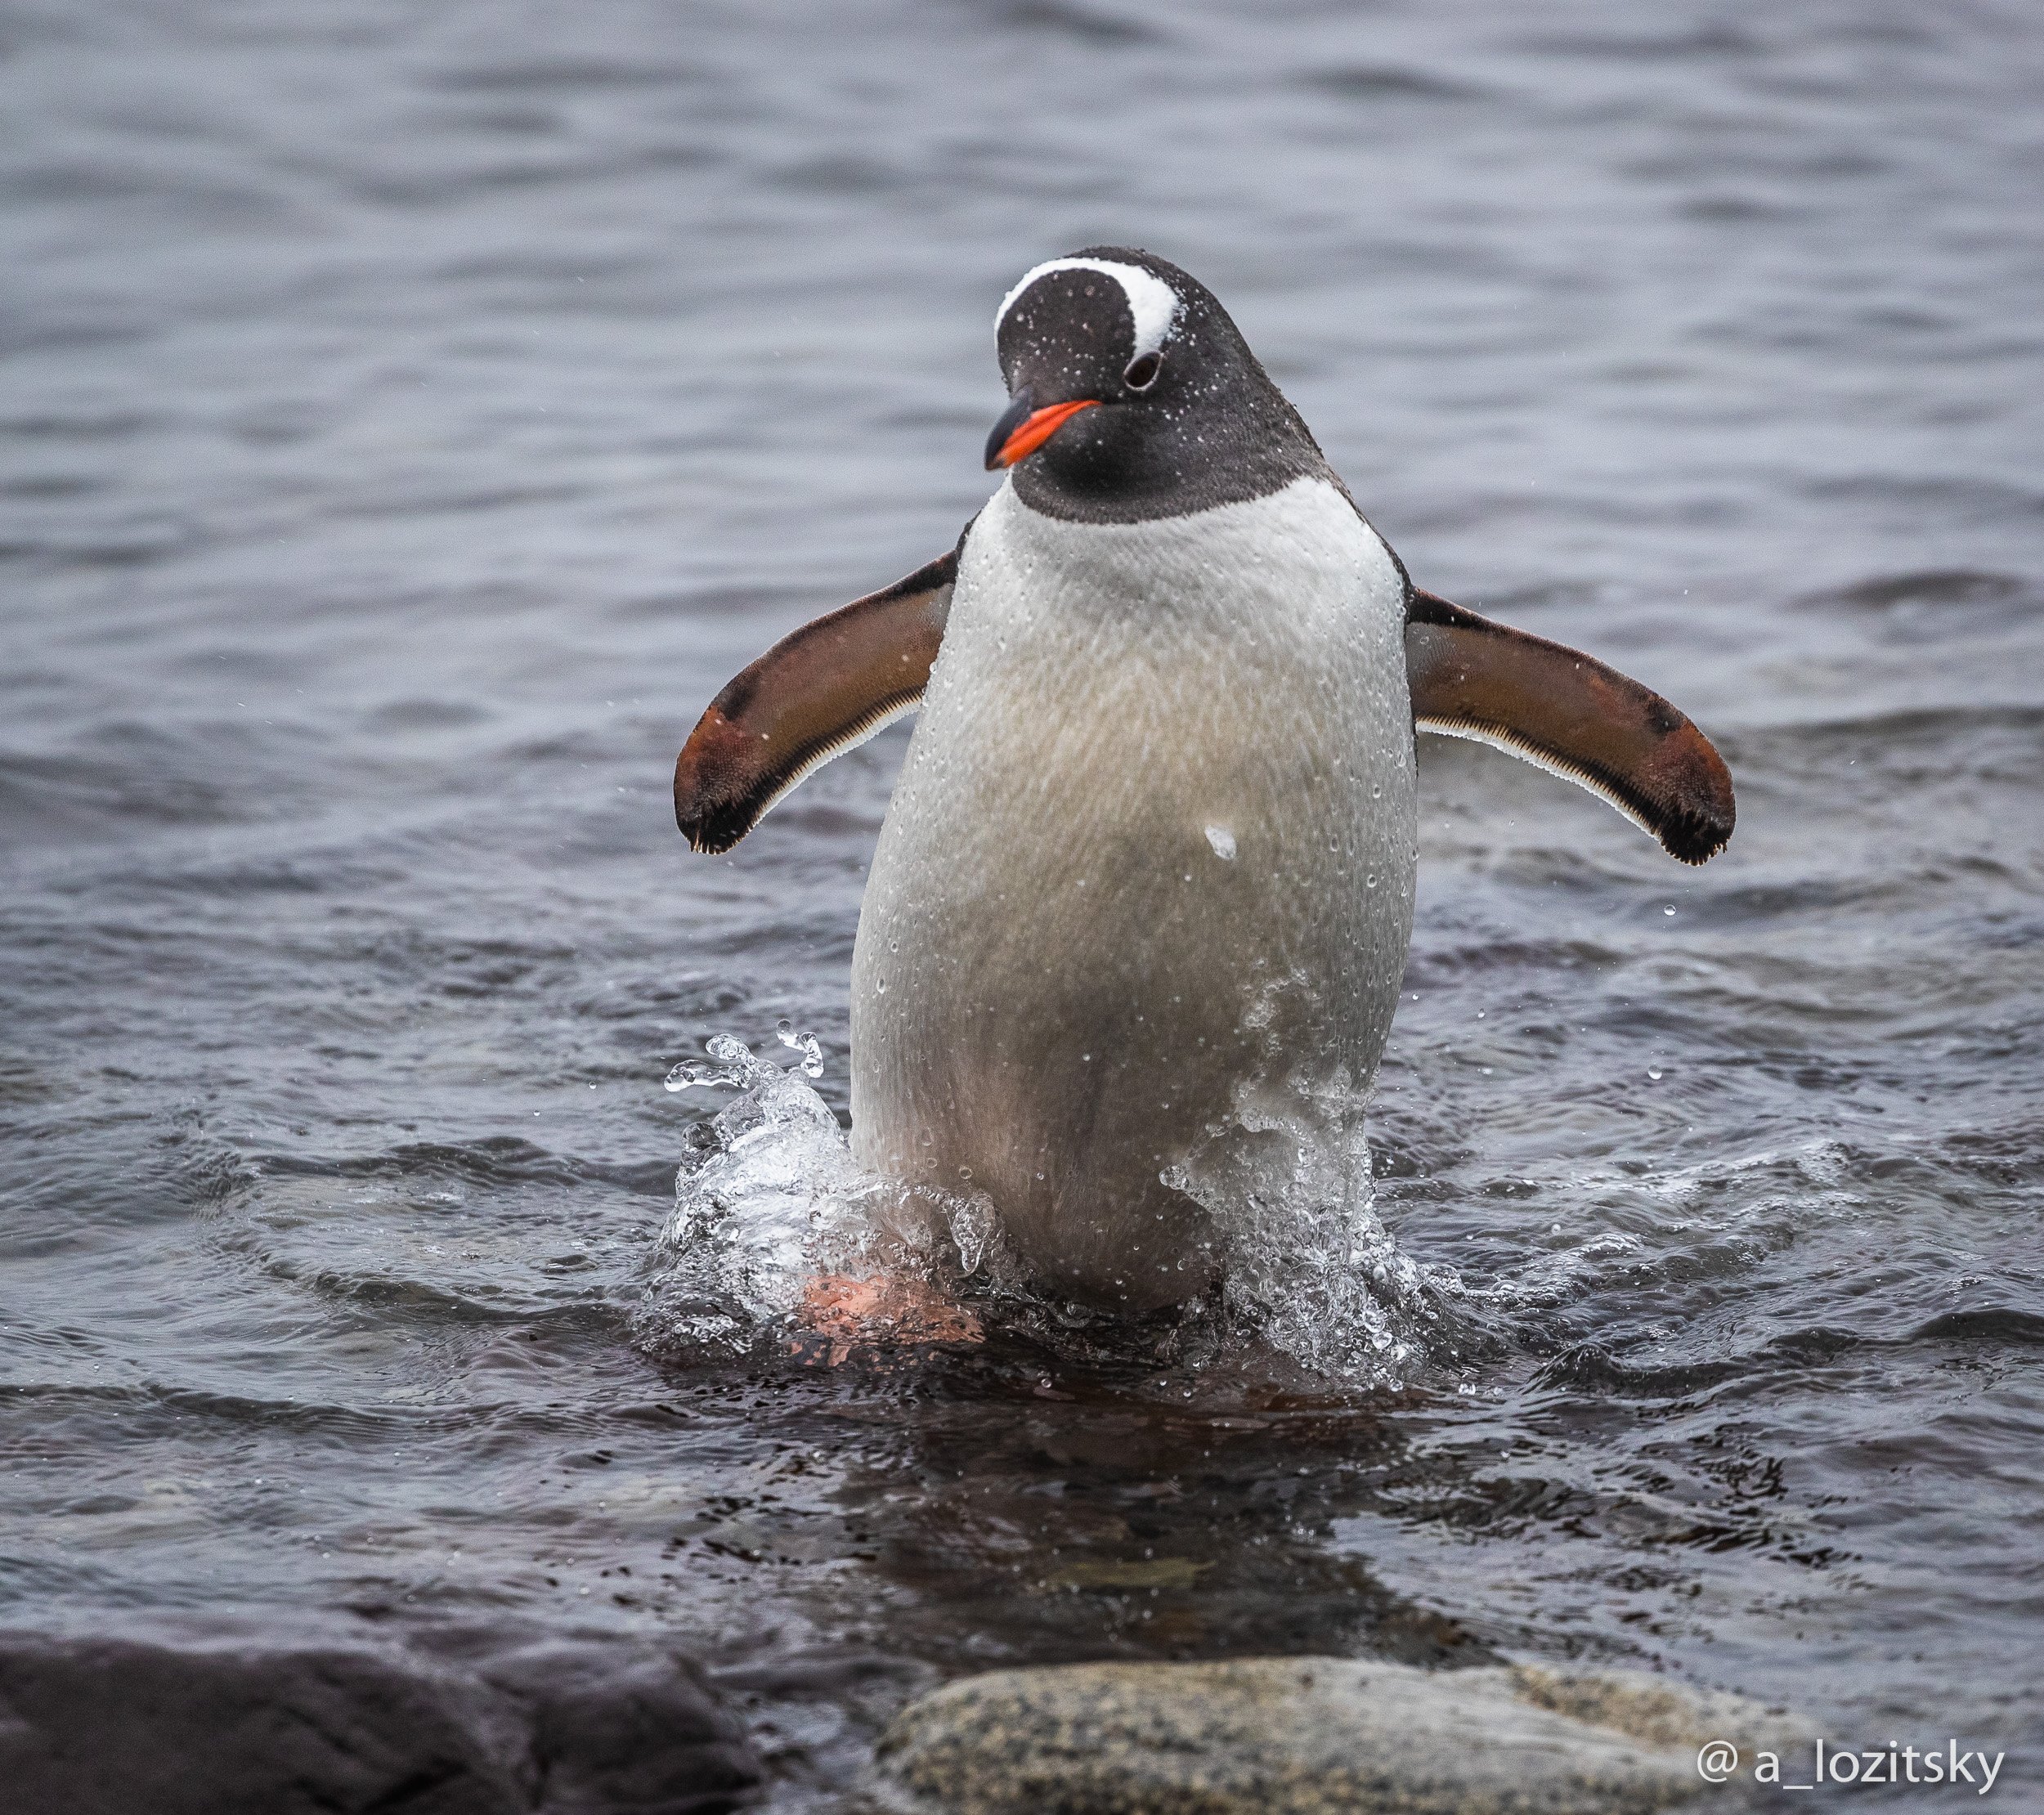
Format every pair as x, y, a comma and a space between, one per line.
1018, 412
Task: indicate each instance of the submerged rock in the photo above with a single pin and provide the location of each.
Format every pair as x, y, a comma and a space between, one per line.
228, 1722
1314, 1736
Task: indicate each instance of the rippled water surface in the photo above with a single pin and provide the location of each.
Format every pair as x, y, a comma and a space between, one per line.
409, 417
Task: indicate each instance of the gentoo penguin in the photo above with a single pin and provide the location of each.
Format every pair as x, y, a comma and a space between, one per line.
1145, 883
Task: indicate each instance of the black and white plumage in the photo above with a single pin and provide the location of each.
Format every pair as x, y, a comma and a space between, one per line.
1141, 903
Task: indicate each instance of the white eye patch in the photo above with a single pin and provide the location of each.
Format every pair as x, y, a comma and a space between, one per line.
1152, 304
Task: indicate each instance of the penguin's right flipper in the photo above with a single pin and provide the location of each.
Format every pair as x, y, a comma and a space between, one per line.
813, 696
1567, 713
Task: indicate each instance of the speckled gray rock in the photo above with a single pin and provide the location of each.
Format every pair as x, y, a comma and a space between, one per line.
1312, 1736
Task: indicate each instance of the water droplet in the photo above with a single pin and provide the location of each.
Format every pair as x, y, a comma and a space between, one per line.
807, 1044
1654, 1073
1667, 910
734, 1058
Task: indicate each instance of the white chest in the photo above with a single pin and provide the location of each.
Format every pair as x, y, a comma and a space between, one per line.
1101, 682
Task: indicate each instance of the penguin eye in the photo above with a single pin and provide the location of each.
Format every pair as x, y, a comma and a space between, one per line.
1142, 372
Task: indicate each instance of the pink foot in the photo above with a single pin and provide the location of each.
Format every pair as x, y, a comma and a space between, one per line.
881, 1312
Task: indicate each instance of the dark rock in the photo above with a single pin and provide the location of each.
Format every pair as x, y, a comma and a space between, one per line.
220, 1721
629, 1735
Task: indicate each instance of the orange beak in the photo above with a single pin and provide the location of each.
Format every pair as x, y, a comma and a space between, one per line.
1035, 427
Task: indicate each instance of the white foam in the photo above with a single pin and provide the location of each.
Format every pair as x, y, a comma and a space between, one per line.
1152, 304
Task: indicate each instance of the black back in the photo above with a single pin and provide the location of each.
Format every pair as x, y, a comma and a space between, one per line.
1210, 429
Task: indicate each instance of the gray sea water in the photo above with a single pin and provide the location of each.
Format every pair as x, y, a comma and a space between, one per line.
409, 417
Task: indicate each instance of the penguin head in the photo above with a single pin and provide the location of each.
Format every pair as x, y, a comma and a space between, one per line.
1133, 395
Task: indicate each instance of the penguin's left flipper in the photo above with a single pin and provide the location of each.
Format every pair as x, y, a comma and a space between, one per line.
814, 694
1567, 713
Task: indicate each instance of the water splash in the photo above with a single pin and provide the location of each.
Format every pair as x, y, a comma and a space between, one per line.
729, 1263
772, 1219
1310, 1268
807, 1044
734, 1059
770, 1203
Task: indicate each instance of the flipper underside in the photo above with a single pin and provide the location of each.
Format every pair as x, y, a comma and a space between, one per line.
814, 694
1567, 713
